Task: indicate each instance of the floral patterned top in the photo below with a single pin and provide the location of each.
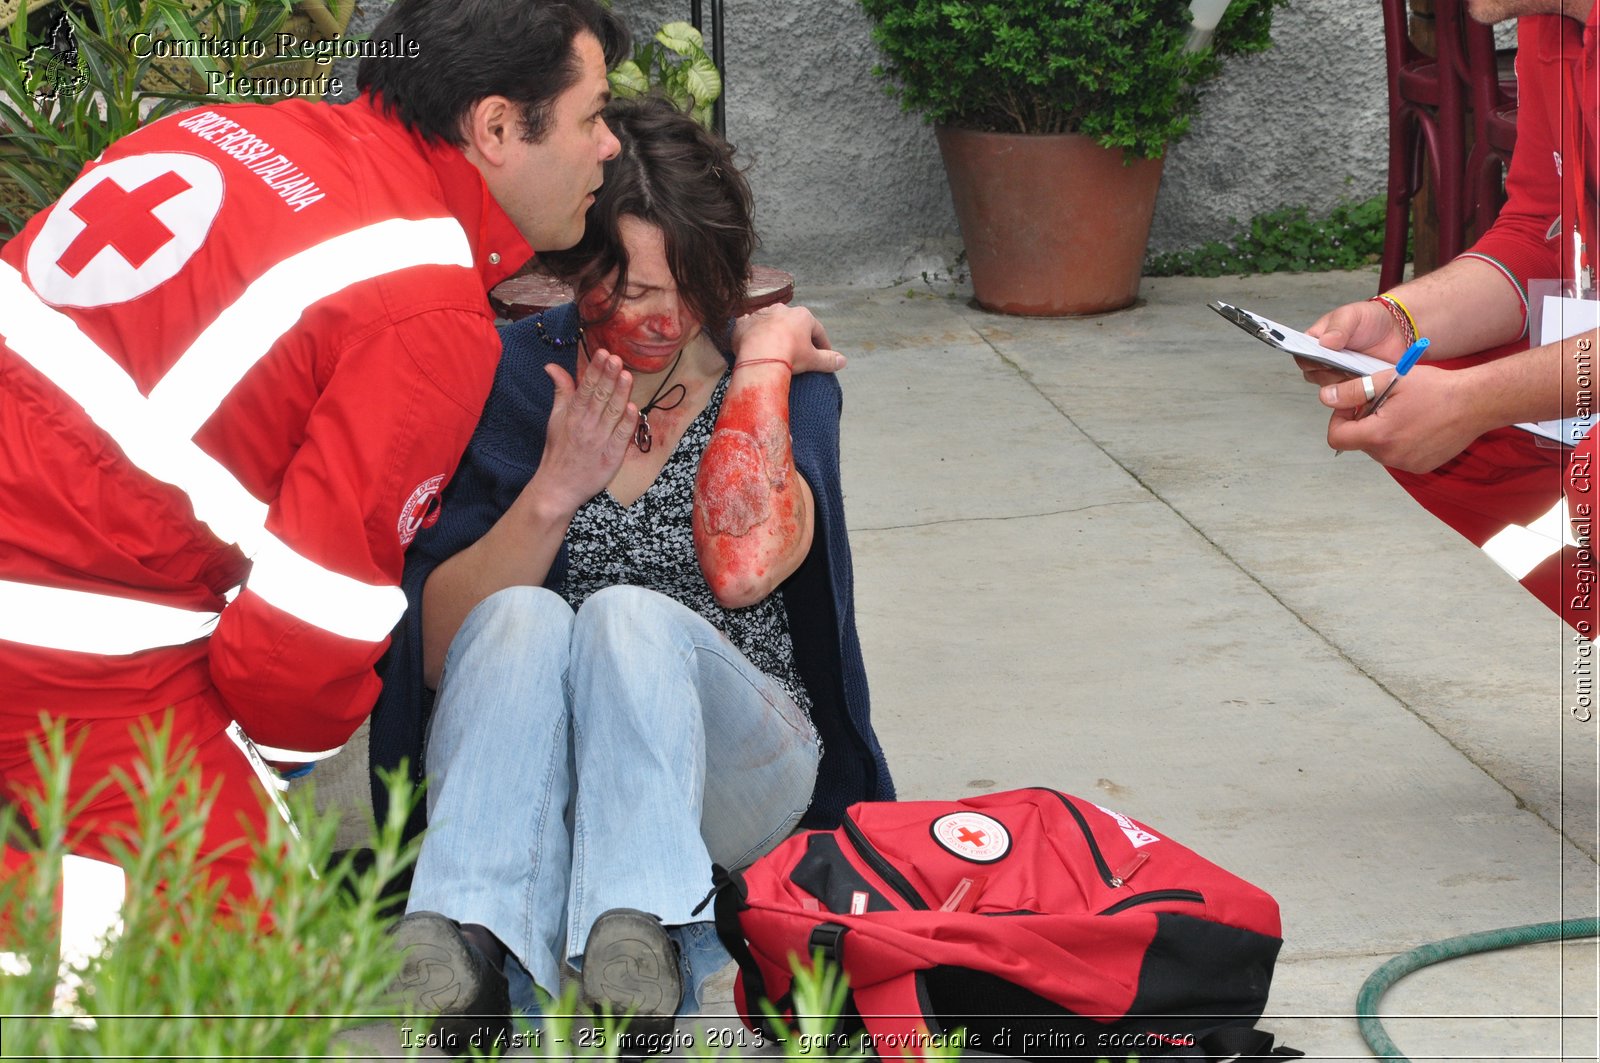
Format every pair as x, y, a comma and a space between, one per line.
651, 544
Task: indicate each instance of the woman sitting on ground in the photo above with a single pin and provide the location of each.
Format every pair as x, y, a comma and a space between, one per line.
635, 606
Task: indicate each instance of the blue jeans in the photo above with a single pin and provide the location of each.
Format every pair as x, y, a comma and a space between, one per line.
603, 759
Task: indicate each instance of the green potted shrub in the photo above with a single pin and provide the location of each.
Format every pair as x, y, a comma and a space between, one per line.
1053, 117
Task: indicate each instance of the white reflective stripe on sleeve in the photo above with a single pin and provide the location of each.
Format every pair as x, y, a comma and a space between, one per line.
1519, 550
92, 892
294, 756
242, 334
331, 601
55, 346
58, 618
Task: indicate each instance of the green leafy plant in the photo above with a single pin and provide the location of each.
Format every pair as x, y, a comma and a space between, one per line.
820, 995
59, 112
186, 977
674, 64
1117, 70
301, 974
1291, 239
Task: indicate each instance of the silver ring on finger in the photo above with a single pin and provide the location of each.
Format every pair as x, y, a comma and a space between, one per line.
1367, 389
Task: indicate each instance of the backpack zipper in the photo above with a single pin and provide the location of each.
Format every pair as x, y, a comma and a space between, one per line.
1111, 880
1117, 880
1152, 897
882, 867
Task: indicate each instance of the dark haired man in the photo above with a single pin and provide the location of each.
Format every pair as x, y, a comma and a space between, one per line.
241, 355
1445, 431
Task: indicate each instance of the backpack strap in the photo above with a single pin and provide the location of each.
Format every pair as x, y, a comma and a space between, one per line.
1246, 1044
730, 893
828, 939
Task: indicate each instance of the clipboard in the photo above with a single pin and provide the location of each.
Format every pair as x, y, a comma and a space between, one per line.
1292, 341
1282, 337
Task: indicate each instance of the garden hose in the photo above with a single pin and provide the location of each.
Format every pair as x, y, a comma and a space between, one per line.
1384, 977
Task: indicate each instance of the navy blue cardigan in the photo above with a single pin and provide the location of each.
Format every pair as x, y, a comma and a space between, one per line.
819, 597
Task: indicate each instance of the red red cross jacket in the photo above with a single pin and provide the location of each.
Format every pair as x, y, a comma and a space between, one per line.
1504, 492
1531, 237
240, 357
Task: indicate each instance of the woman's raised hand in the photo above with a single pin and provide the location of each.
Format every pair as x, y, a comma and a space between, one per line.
591, 423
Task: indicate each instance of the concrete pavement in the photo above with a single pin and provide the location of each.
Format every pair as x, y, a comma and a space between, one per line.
1115, 556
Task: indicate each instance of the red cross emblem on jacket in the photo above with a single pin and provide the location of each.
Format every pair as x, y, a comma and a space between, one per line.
124, 228
121, 219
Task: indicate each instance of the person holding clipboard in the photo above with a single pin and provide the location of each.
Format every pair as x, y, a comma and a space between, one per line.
1445, 432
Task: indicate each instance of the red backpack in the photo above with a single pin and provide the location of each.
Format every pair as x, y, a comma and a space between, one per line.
1042, 924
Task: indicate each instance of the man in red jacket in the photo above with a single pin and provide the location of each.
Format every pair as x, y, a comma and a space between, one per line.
240, 357
1445, 431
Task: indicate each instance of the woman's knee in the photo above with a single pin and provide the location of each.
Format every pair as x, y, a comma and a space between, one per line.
513, 621
507, 662
632, 659
621, 622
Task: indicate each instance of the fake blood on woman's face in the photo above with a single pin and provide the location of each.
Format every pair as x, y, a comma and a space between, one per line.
646, 342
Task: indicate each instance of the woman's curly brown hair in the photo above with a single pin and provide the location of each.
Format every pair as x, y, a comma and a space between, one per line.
675, 175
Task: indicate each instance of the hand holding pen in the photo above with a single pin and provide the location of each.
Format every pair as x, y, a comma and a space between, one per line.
1376, 399
1402, 367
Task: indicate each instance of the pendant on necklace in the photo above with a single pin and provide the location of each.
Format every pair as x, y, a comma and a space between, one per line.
641, 434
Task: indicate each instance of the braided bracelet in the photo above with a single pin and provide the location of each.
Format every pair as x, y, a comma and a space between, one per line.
1402, 317
1410, 320
762, 361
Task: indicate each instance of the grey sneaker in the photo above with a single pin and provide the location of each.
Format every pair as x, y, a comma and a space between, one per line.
444, 974
630, 965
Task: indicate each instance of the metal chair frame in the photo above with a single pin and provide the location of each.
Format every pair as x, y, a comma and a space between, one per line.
1432, 101
697, 19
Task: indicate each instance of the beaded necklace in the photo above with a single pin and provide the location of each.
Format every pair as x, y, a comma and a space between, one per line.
556, 341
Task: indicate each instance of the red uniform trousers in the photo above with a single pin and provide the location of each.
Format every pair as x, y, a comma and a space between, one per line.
239, 809
1510, 479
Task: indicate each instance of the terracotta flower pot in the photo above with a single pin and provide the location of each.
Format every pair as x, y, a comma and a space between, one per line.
1054, 224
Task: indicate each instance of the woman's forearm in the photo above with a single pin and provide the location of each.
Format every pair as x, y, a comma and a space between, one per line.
753, 511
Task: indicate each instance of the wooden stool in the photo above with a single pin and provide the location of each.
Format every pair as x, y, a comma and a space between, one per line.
536, 291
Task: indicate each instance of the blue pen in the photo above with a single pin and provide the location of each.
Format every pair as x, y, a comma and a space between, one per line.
1410, 358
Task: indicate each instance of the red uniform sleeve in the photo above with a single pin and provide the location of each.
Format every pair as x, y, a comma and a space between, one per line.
1526, 238
293, 655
